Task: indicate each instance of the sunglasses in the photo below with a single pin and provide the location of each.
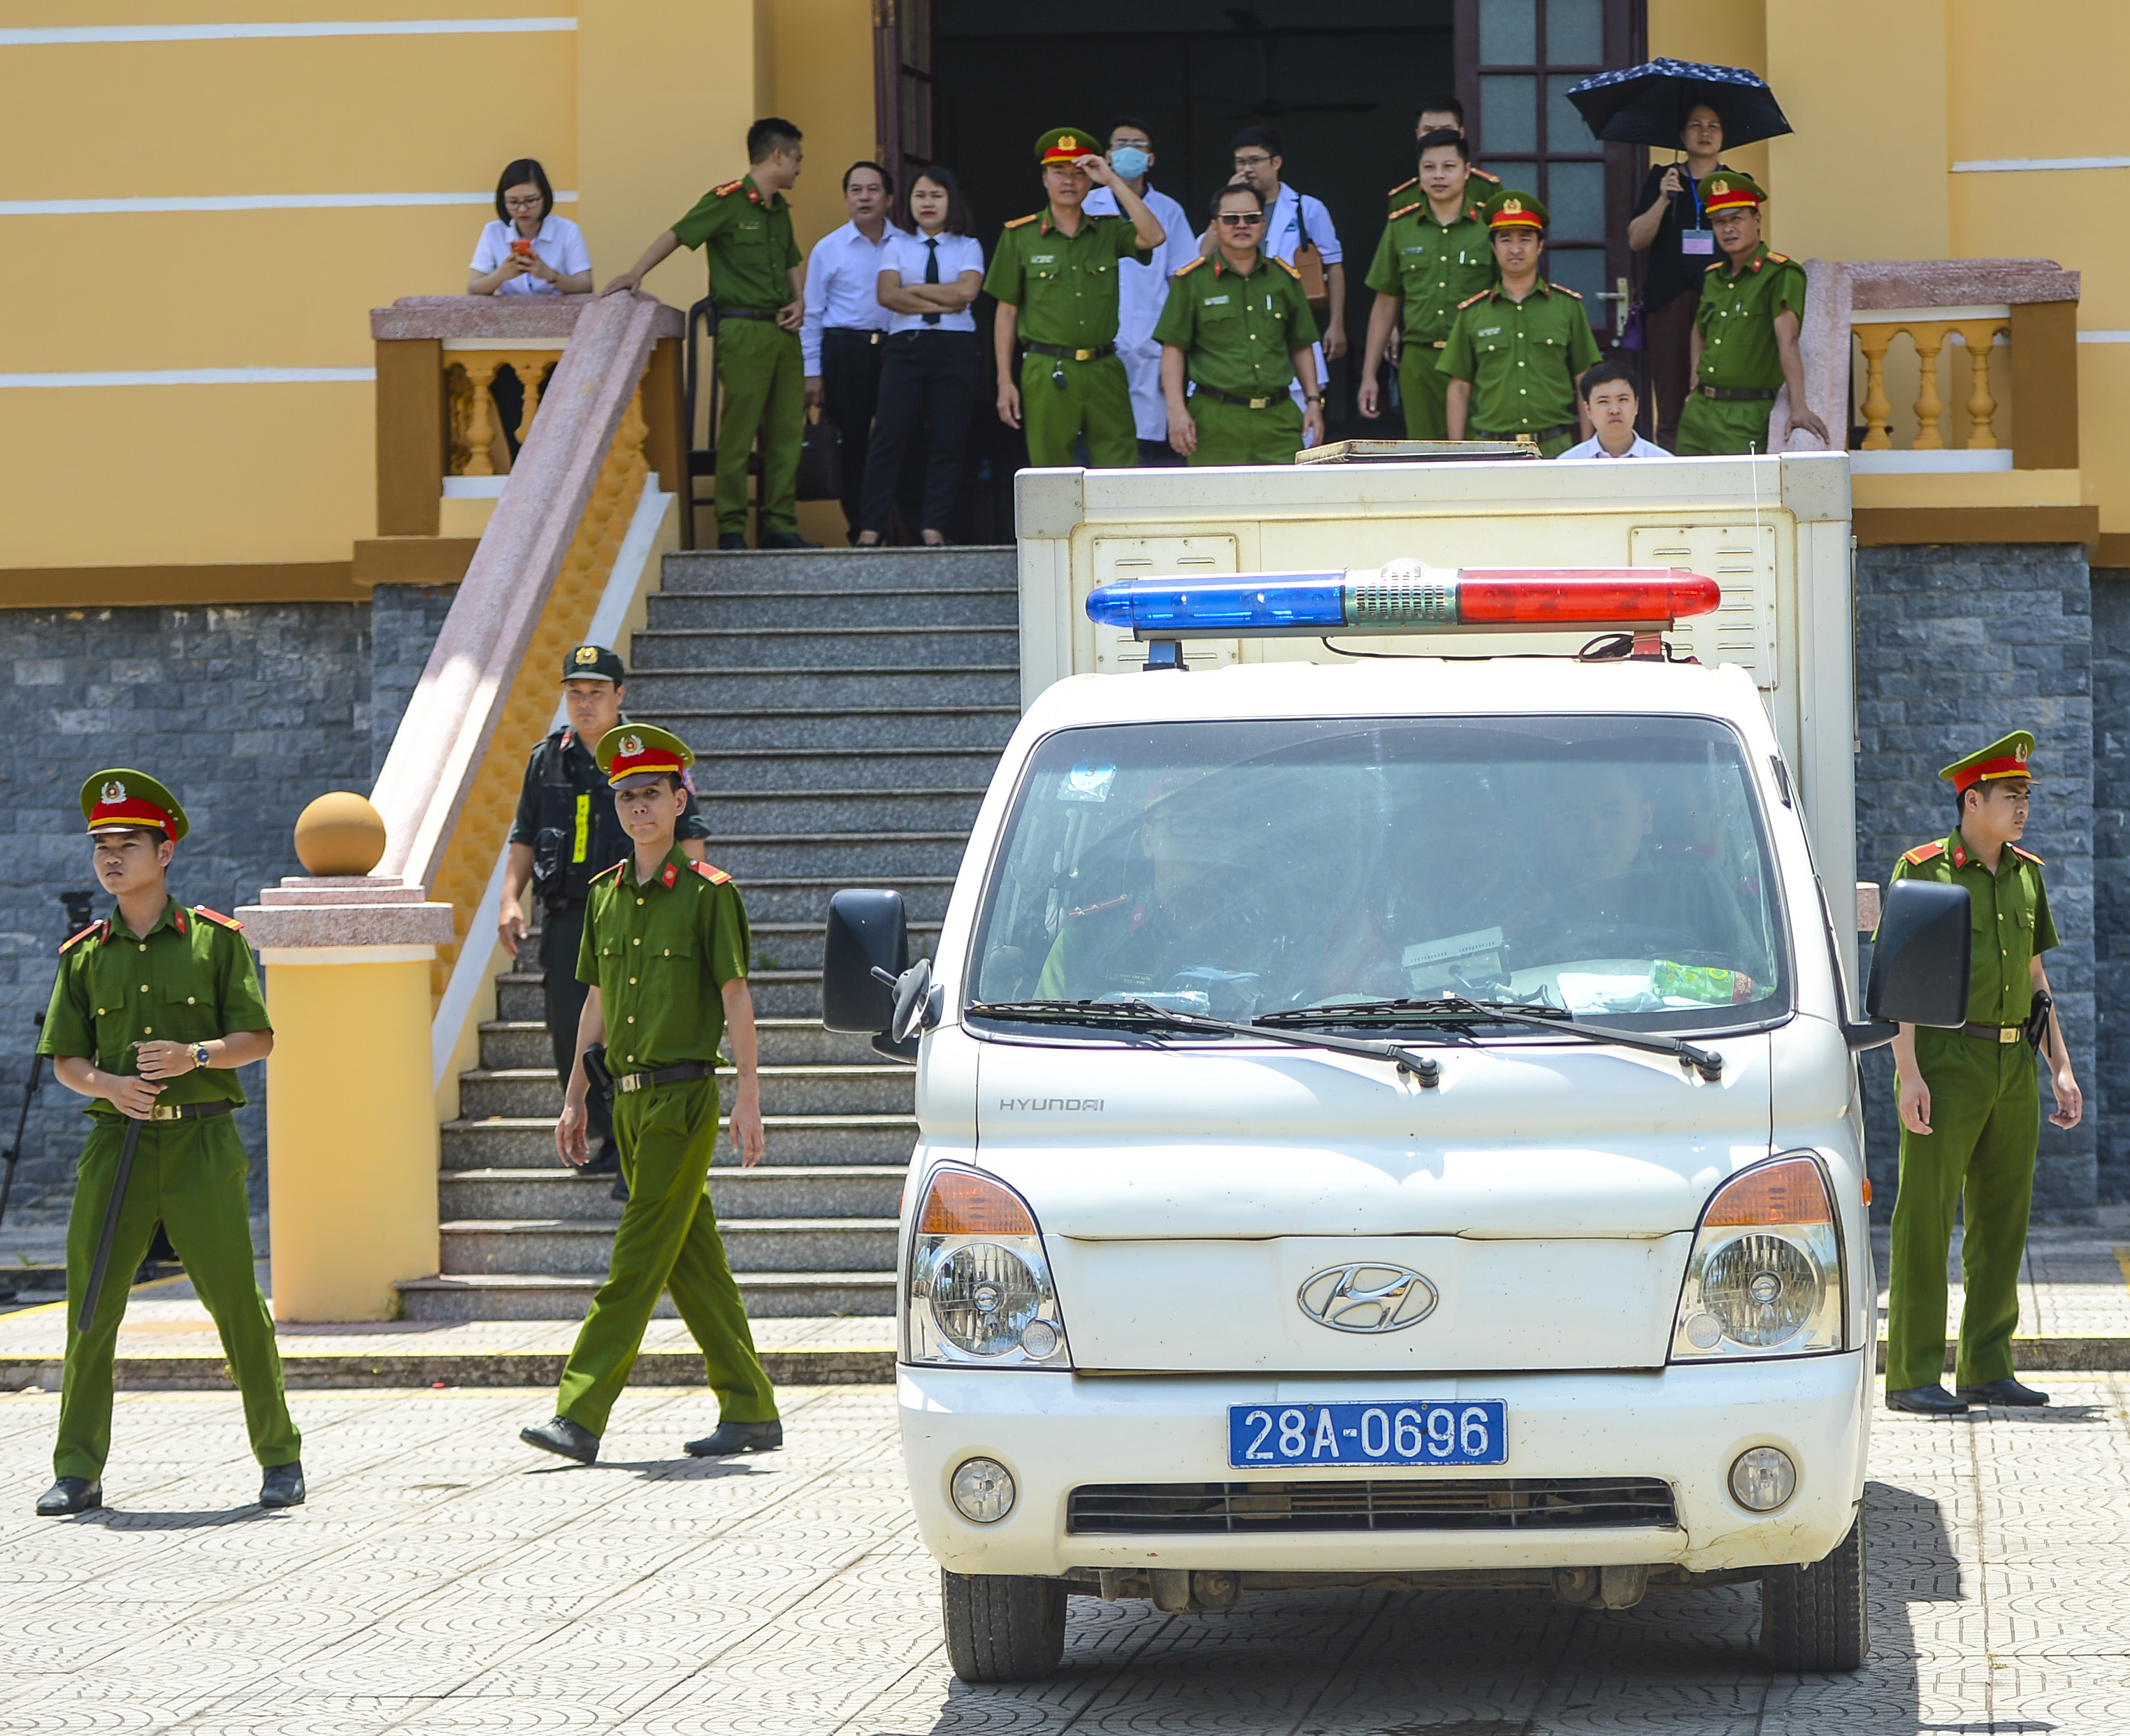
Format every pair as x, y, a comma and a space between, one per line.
1242, 219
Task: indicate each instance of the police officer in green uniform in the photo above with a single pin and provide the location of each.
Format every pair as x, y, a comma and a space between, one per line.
665, 962
1516, 350
1970, 1106
1443, 113
1745, 343
155, 1009
755, 273
564, 833
1435, 256
1237, 326
1054, 277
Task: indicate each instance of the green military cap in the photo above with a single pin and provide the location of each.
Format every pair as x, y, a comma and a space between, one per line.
2004, 758
120, 797
1512, 208
1066, 144
630, 752
594, 663
1728, 190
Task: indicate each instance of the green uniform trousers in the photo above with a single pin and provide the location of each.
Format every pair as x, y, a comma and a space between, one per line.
1710, 427
1985, 1114
762, 373
1424, 391
188, 1175
1095, 400
1237, 434
668, 1240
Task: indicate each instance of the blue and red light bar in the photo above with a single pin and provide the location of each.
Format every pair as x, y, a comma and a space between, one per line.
1403, 596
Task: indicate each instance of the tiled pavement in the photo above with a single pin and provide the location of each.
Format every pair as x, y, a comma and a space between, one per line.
443, 1579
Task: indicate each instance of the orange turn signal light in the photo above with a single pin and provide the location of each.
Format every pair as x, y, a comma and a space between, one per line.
961, 1203
1790, 1192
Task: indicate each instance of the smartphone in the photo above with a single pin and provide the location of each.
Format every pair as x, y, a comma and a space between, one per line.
521, 249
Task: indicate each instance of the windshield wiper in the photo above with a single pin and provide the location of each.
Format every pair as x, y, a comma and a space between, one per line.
1459, 1009
1141, 1015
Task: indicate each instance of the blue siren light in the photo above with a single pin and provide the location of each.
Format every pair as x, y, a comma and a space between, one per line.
1401, 596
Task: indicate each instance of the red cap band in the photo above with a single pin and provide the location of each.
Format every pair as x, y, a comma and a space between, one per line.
1965, 779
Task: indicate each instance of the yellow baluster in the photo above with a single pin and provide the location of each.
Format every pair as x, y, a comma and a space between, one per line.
1930, 408
1875, 340
481, 426
1980, 335
459, 396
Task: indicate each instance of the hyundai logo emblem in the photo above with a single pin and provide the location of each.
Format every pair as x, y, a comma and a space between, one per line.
1366, 1297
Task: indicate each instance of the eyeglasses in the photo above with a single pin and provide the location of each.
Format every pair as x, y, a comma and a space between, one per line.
532, 203
1255, 160
1242, 219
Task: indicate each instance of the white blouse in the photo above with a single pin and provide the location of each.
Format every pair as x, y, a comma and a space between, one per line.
907, 254
560, 243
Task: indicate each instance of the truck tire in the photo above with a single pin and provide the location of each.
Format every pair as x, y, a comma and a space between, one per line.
1816, 1618
1002, 1627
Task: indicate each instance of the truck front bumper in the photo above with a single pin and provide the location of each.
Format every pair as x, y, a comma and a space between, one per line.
1056, 1432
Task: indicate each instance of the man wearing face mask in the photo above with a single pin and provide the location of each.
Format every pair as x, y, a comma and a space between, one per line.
1143, 290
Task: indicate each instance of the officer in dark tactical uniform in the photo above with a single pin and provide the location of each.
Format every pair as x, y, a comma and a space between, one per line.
566, 832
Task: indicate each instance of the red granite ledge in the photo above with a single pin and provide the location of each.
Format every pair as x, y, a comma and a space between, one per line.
525, 318
1875, 284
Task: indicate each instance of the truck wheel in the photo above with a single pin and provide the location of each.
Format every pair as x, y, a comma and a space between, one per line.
1002, 1627
1816, 1618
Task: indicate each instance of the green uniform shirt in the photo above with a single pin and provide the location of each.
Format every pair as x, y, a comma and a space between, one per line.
189, 979
1237, 332
1737, 320
749, 244
2009, 911
1435, 267
1065, 286
1522, 358
659, 954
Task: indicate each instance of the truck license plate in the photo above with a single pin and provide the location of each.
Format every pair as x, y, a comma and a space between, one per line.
1471, 1432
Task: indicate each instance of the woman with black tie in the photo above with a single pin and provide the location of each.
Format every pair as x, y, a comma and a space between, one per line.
927, 281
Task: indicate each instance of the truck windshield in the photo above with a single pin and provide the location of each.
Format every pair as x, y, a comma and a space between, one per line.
1604, 866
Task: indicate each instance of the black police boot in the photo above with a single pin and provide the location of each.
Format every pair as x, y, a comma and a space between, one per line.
2007, 1392
607, 1163
787, 539
1926, 1401
728, 541
730, 1437
619, 1190
283, 1485
69, 1495
561, 1436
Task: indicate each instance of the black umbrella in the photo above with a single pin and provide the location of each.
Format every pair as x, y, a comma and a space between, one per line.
1647, 104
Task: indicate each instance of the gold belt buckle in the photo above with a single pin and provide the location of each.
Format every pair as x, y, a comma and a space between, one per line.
1259, 403
1083, 355
163, 1112
2010, 1033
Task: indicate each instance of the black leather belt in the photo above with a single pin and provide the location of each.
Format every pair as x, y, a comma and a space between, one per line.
746, 313
1735, 395
1565, 427
1219, 397
1993, 1034
190, 1111
1096, 353
870, 334
665, 1076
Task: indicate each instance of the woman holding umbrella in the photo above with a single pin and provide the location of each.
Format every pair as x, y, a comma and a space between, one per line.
1672, 227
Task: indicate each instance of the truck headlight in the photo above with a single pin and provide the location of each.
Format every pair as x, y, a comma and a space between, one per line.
978, 1288
1765, 1276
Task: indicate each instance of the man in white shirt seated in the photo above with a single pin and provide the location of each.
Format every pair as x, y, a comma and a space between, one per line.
1609, 395
1143, 290
844, 325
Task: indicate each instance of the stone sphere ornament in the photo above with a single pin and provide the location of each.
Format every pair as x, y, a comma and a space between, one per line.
340, 833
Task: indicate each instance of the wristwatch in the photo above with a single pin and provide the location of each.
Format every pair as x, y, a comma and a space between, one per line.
200, 1055
1317, 399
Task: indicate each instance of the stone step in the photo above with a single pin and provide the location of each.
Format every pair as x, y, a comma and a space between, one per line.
783, 1042
806, 899
724, 772
705, 572
755, 812
528, 1141
850, 858
561, 1246
534, 1296
768, 1190
795, 995
856, 728
846, 608
799, 946
655, 694
824, 647
486, 1092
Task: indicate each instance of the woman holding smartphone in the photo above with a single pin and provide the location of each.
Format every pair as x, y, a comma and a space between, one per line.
927, 281
528, 251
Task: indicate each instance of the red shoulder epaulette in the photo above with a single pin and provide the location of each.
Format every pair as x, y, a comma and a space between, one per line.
1565, 290
728, 190
1186, 271
1015, 222
72, 940
1479, 173
1717, 266
1288, 270
1107, 903
1394, 192
2030, 857
1469, 299
1778, 258
614, 868
216, 917
715, 876
1403, 209
1923, 853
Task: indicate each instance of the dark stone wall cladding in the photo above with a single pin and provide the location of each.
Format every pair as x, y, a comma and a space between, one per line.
246, 711
404, 621
2108, 1073
1957, 645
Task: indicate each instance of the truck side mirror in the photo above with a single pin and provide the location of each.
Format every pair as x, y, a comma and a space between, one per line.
867, 931
1919, 964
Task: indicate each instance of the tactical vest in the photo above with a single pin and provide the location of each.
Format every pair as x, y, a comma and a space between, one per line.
578, 835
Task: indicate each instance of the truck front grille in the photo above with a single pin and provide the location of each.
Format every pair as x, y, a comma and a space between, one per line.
1458, 1504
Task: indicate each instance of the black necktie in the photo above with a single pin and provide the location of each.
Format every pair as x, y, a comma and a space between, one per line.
932, 272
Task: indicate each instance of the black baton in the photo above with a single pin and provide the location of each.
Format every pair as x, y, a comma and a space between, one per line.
93, 1293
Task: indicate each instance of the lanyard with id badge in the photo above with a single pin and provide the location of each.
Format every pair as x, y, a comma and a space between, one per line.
1699, 242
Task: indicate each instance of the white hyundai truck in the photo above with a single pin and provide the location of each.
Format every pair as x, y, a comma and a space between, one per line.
1386, 1082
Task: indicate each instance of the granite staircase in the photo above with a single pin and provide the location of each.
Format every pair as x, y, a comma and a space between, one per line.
847, 709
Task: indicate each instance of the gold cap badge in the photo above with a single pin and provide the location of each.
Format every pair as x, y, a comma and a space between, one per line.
587, 654
1719, 187
631, 746
1513, 204
114, 793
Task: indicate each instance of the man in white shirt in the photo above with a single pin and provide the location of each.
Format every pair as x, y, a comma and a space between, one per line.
1609, 396
1143, 290
1293, 220
840, 334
